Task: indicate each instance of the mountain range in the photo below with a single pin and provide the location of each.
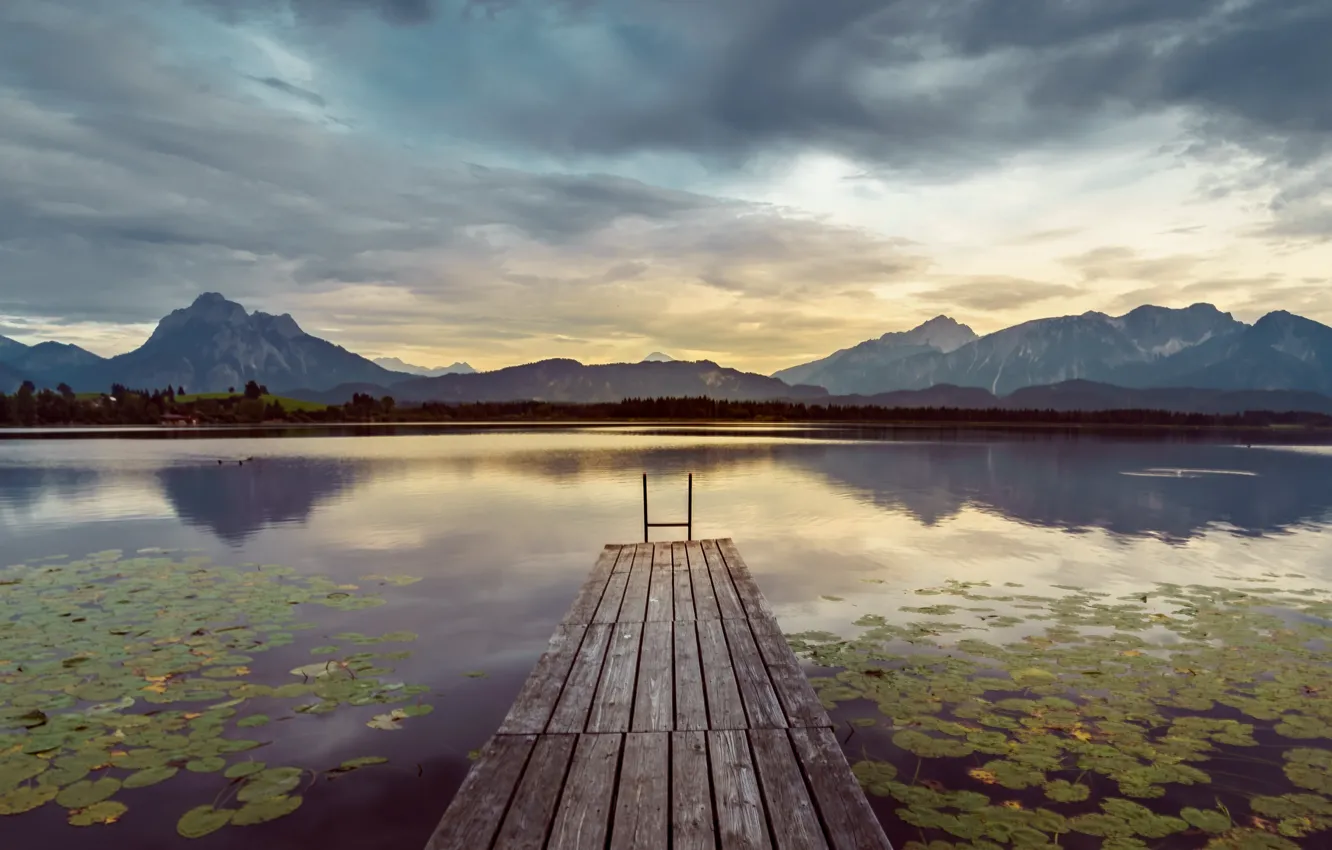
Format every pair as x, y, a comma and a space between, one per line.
1195, 358
1197, 346
393, 364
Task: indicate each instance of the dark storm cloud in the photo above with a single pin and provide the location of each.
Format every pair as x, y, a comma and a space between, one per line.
908, 84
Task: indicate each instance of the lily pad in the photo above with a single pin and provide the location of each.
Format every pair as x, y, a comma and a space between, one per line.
150, 776
203, 820
105, 812
84, 793
262, 811
26, 798
269, 783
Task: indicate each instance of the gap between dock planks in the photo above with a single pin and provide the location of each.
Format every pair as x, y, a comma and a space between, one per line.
668, 711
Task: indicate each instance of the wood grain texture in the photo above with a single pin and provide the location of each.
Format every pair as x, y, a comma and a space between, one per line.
570, 713
643, 802
741, 824
533, 810
654, 700
725, 708
705, 596
691, 793
751, 674
634, 607
532, 709
846, 814
799, 702
751, 598
613, 706
608, 611
728, 601
691, 707
684, 595
795, 822
589, 595
679, 558
661, 587
583, 817
474, 816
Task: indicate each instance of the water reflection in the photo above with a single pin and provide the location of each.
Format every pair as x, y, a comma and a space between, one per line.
505, 525
234, 500
1170, 490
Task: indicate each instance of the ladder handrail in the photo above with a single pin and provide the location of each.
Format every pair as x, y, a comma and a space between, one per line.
688, 524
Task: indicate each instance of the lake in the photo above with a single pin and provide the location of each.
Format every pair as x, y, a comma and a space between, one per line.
840, 527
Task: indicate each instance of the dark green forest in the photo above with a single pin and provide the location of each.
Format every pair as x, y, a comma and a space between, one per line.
30, 407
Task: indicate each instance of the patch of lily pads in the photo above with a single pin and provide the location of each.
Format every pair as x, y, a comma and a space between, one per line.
120, 673
1182, 716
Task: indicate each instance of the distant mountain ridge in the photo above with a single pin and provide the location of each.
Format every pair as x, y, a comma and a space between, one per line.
1088, 359
563, 380
393, 364
854, 369
1197, 346
210, 346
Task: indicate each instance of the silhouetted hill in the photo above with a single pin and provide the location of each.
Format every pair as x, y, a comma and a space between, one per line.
570, 381
215, 344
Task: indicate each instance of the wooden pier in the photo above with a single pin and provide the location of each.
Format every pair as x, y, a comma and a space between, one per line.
668, 712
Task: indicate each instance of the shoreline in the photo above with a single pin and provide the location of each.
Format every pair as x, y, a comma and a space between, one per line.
407, 427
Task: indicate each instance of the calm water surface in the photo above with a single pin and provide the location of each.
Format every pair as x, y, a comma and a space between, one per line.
504, 526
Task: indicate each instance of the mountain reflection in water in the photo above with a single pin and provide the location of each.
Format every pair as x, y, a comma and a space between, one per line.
503, 527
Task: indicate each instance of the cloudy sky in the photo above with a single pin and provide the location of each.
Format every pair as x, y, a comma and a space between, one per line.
751, 181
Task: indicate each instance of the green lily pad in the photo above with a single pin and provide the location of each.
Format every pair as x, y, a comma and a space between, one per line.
203, 820
358, 763
269, 783
252, 720
150, 776
25, 799
242, 769
262, 811
98, 814
84, 793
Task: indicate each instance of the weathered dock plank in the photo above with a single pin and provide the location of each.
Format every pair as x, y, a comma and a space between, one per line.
477, 809
661, 587
668, 711
643, 802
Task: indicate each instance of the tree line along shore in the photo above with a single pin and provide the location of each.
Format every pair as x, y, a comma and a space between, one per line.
255, 405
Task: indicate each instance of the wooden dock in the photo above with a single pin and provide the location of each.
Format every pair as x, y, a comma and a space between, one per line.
668, 712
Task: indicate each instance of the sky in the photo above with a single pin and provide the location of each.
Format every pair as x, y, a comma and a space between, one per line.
755, 182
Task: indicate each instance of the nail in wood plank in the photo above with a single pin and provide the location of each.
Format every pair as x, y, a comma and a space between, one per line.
740, 820
634, 608
705, 596
533, 810
474, 816
613, 706
795, 822
643, 802
845, 812
761, 704
654, 702
727, 599
661, 587
531, 711
570, 713
725, 710
583, 817
691, 709
755, 604
691, 793
589, 595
